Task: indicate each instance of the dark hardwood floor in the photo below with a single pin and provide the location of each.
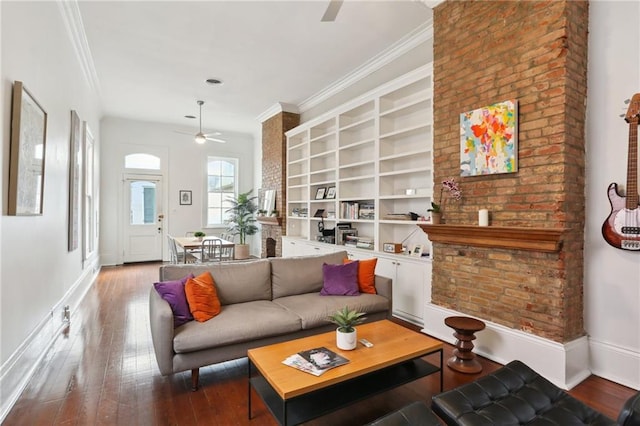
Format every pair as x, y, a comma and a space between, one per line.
102, 371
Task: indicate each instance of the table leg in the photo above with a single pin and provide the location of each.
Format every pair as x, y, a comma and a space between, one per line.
441, 371
249, 387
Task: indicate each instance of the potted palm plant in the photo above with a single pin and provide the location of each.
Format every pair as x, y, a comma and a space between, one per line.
241, 221
346, 334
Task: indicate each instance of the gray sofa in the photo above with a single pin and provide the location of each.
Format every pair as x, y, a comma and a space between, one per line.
263, 302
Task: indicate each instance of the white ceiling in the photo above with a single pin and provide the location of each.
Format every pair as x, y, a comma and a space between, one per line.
149, 59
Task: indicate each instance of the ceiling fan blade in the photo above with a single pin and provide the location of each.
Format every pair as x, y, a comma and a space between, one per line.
213, 134
332, 11
216, 140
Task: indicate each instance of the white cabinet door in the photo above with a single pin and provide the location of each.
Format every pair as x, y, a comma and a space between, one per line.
409, 282
292, 246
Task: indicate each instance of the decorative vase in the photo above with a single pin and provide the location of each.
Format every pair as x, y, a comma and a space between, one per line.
436, 218
241, 251
346, 341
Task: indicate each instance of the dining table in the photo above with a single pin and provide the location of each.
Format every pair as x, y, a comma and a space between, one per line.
194, 243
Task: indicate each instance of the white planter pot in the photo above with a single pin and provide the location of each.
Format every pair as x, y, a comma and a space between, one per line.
346, 341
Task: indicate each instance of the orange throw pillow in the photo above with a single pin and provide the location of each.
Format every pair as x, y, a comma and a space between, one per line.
366, 274
202, 297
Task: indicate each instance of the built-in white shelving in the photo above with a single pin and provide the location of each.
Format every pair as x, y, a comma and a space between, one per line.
375, 150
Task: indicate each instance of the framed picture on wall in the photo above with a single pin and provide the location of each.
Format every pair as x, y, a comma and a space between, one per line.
185, 198
26, 162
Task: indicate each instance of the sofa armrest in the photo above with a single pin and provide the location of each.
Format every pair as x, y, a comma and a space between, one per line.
161, 322
630, 413
383, 288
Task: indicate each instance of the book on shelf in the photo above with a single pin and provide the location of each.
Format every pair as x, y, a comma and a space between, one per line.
315, 361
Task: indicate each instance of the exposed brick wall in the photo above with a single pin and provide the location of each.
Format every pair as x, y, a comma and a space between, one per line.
274, 169
535, 52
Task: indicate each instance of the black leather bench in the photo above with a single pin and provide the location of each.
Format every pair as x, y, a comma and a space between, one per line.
415, 414
517, 395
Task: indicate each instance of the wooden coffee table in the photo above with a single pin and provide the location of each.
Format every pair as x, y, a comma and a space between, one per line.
294, 396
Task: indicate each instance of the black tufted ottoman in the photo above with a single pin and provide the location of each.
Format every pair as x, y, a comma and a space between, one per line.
514, 395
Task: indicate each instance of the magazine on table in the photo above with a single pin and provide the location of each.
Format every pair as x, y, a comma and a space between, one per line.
315, 361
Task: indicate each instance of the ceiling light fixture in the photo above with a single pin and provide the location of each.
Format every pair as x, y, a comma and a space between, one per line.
200, 137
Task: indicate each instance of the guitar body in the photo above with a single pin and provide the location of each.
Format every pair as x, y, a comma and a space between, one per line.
622, 227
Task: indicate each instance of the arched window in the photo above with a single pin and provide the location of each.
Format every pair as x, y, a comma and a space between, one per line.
222, 182
142, 161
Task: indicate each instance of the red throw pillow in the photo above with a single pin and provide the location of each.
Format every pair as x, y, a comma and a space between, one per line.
366, 275
202, 297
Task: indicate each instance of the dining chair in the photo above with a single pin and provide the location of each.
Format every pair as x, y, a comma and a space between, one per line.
211, 250
179, 257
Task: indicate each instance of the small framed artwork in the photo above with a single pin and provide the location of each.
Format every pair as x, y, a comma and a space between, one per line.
331, 193
416, 250
320, 193
185, 198
27, 154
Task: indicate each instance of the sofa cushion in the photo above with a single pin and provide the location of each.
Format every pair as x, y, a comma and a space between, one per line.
340, 280
202, 297
366, 274
236, 323
173, 293
236, 282
299, 275
313, 309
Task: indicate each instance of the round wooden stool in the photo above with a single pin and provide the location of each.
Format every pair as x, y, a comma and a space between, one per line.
463, 359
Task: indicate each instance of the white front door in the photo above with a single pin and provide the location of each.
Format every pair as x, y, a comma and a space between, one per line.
143, 236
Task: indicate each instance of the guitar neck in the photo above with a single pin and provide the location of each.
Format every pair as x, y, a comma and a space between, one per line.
632, 166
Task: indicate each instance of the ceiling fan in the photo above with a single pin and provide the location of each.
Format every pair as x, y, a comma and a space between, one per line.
332, 11
200, 137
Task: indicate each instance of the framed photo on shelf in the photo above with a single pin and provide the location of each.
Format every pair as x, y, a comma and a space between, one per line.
331, 193
185, 198
320, 193
416, 250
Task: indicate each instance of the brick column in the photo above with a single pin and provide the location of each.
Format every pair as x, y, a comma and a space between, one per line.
536, 52
274, 171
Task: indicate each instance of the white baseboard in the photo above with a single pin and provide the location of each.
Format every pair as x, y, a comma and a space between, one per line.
16, 372
565, 365
614, 363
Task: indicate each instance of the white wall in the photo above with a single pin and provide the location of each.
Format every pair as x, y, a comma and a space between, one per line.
38, 274
186, 170
612, 276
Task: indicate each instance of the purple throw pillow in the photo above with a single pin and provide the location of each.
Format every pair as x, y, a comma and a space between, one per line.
340, 280
173, 293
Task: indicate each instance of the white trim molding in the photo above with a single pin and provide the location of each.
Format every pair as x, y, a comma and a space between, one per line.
17, 371
415, 38
614, 363
72, 18
277, 108
564, 364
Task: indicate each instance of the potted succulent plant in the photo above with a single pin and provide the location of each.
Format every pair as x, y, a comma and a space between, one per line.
241, 221
346, 333
199, 235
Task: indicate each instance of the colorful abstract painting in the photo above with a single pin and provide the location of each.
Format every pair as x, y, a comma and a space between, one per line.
489, 140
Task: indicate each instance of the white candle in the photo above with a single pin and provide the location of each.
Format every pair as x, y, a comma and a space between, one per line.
483, 217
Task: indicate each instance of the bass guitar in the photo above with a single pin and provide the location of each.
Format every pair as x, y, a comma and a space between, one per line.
622, 227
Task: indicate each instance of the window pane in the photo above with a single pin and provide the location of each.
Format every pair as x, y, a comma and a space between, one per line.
228, 169
142, 161
221, 185
143, 202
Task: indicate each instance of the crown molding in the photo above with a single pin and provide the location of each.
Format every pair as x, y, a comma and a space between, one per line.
72, 17
277, 108
408, 42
